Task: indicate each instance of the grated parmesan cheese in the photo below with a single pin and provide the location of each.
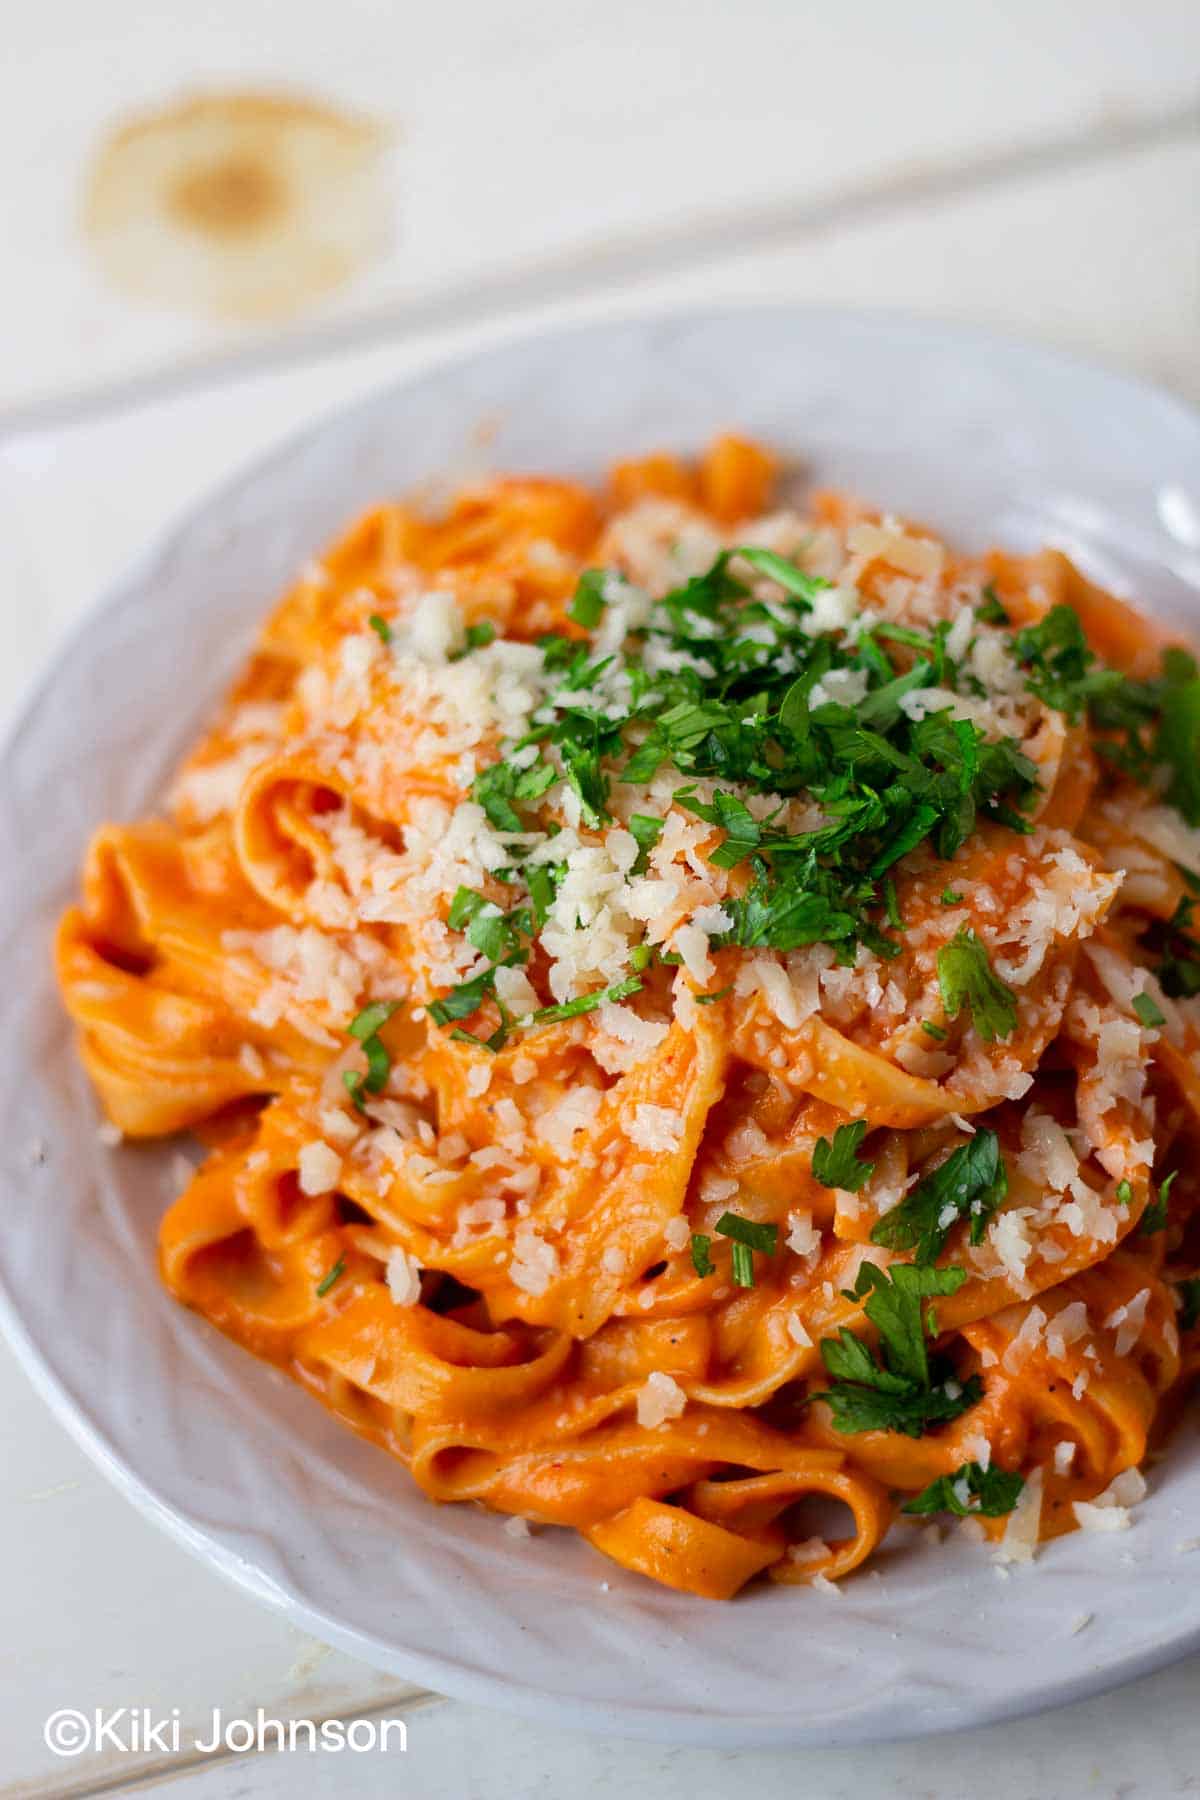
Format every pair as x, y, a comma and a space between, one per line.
656, 1128
403, 1277
319, 1168
661, 1398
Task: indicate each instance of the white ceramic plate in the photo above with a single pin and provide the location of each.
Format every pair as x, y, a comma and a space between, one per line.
988, 441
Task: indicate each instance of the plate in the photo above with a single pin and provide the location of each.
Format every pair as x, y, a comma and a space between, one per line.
989, 441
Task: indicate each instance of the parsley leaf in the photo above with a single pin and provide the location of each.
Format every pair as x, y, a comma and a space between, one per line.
966, 978
462, 1000
366, 1024
1177, 744
971, 1183
838, 1165
1059, 659
1148, 1011
990, 611
794, 581
334, 1274
586, 1003
1154, 1219
1179, 971
743, 1265
702, 1262
971, 1489
646, 831
749, 1232
365, 1027
587, 607
380, 627
896, 1393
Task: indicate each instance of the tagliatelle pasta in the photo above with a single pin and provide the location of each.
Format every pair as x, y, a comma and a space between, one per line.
692, 1010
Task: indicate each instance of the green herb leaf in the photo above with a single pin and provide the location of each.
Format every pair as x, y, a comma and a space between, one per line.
898, 1393
702, 1262
990, 1492
743, 1265
478, 637
493, 788
586, 1003
1154, 1219
1177, 744
971, 1183
380, 626
1059, 659
990, 611
379, 1065
465, 904
646, 830
966, 978
838, 1165
334, 1274
354, 1080
1147, 1011
794, 581
587, 607
366, 1023
749, 1232
462, 1000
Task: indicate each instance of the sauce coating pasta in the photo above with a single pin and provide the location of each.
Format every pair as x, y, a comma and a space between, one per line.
692, 1011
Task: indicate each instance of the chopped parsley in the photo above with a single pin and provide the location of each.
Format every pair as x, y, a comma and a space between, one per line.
365, 1026
380, 627
702, 1262
730, 703
967, 978
899, 1390
970, 1184
990, 611
971, 1489
749, 1232
328, 1279
1124, 1192
1147, 1011
1148, 725
587, 607
1178, 972
743, 1265
1155, 1217
646, 831
837, 1164
586, 1003
1060, 662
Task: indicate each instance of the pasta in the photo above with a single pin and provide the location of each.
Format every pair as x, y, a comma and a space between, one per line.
692, 1013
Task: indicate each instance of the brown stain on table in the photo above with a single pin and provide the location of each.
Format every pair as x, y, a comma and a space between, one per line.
239, 205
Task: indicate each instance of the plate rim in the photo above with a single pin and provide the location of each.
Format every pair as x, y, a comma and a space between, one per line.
449, 1676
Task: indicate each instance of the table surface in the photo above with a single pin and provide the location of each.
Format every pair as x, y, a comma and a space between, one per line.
1034, 168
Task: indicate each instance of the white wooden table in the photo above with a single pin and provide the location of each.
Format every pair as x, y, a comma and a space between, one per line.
1035, 168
